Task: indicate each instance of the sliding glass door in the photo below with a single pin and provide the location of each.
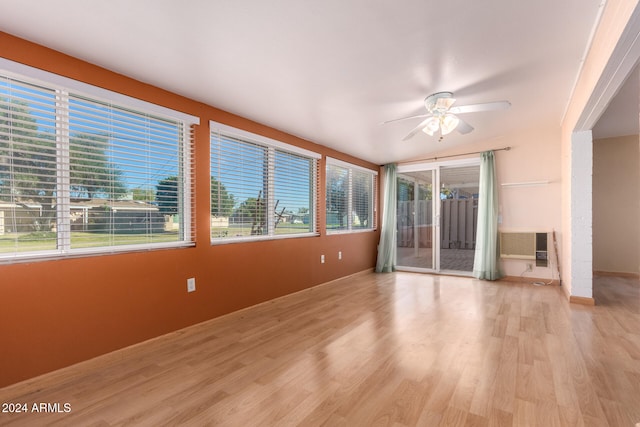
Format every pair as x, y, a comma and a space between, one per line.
436, 232
458, 217
415, 220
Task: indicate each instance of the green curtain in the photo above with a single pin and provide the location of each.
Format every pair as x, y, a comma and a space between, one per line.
485, 263
387, 247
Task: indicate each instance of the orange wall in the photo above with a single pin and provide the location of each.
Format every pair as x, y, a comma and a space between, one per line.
56, 313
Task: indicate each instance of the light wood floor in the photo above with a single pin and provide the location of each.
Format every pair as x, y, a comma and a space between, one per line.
400, 349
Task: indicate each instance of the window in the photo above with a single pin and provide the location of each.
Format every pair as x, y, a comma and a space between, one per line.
84, 170
260, 188
350, 197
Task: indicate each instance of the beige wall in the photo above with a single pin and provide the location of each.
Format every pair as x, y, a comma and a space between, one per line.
534, 156
616, 206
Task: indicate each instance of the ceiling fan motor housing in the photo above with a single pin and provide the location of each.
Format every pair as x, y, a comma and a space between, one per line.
439, 102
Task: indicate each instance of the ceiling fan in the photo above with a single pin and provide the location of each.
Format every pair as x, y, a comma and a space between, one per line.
441, 116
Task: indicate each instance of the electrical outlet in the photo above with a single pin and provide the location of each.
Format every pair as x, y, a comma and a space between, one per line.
339, 254
529, 267
321, 259
191, 284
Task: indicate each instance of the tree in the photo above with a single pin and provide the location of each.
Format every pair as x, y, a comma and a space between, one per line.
251, 209
222, 201
167, 195
144, 194
362, 196
29, 162
337, 187
27, 159
92, 174
405, 190
446, 193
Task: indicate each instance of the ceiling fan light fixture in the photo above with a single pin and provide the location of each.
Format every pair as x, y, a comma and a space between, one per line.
431, 126
448, 123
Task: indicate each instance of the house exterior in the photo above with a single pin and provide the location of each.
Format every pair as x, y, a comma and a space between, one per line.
121, 216
18, 217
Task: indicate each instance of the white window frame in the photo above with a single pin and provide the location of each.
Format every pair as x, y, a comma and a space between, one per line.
330, 161
63, 86
216, 128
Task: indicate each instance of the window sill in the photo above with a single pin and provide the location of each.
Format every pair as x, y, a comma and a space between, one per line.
226, 240
88, 252
363, 230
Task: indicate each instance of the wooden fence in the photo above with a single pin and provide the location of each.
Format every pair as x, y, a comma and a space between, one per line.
458, 219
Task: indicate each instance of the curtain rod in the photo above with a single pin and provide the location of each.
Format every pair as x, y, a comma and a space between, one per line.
458, 155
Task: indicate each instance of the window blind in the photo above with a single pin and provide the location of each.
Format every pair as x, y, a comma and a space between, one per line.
337, 197
28, 161
80, 174
363, 199
128, 164
350, 197
260, 188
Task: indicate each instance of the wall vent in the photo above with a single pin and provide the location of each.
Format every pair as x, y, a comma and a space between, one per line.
518, 245
529, 245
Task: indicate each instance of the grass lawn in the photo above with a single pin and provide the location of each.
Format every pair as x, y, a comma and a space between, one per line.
46, 240
42, 241
242, 230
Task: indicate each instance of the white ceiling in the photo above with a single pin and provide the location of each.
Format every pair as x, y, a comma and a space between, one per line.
331, 71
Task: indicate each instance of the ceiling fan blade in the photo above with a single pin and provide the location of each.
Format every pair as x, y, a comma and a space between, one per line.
417, 128
488, 106
463, 127
404, 118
